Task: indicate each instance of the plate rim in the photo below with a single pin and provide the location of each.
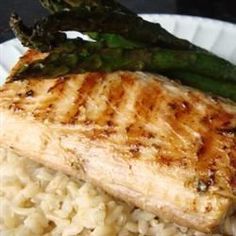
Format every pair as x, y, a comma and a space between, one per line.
190, 17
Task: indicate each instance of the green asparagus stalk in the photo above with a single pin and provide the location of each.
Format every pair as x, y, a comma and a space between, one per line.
100, 19
115, 41
226, 89
49, 42
130, 27
152, 59
92, 57
191, 79
110, 6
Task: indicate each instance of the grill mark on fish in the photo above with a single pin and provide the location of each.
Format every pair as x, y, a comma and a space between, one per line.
128, 79
181, 108
205, 147
96, 103
46, 108
144, 109
218, 119
62, 90
63, 108
114, 99
180, 111
91, 80
129, 86
125, 111
15, 106
211, 156
58, 87
172, 113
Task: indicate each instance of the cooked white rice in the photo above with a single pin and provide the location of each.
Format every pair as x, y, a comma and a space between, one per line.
35, 200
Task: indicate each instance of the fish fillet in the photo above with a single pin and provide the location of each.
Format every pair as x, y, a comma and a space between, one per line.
142, 138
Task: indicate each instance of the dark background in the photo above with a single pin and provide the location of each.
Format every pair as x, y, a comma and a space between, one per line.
217, 9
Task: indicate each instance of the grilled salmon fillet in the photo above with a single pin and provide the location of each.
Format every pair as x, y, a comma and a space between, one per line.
144, 139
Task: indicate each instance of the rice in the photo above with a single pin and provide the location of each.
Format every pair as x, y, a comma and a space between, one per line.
35, 200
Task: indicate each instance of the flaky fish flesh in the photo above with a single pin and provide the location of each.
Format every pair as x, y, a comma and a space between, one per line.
142, 138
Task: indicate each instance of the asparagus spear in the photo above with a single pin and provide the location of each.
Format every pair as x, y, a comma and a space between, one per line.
152, 59
226, 89
115, 41
191, 79
44, 41
47, 43
100, 19
111, 6
213, 64
93, 58
58, 5
21, 31
65, 5
67, 55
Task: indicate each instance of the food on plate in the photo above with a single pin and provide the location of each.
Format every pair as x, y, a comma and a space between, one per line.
36, 200
94, 16
91, 109
78, 57
135, 44
142, 138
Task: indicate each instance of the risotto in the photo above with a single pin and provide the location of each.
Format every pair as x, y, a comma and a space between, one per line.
35, 200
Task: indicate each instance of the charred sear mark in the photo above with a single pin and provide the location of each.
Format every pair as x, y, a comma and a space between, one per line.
208, 155
114, 98
109, 131
58, 87
89, 83
233, 160
145, 106
128, 79
110, 123
117, 95
137, 130
97, 134
146, 101
202, 149
233, 183
29, 93
218, 119
46, 109
227, 130
15, 106
180, 108
205, 148
169, 161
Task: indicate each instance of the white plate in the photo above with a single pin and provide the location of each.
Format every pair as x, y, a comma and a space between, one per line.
216, 36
